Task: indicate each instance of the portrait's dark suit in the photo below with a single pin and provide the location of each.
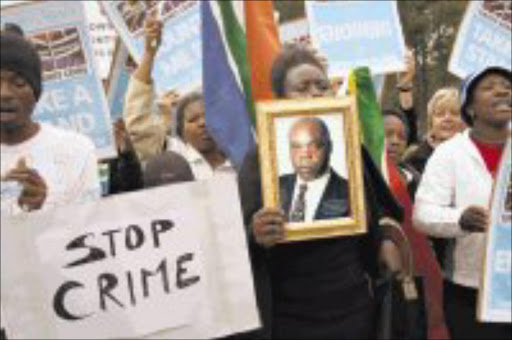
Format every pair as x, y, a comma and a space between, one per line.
333, 204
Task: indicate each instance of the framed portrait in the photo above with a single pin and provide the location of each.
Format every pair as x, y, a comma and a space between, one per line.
310, 163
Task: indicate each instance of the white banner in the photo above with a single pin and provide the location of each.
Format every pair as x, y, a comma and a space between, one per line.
169, 262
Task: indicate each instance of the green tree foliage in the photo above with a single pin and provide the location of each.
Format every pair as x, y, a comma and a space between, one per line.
430, 28
289, 9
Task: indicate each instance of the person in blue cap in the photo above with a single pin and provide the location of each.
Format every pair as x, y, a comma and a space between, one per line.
454, 193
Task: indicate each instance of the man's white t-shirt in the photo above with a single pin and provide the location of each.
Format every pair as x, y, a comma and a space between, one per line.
65, 160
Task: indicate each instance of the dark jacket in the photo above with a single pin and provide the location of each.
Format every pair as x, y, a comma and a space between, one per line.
379, 202
125, 173
334, 202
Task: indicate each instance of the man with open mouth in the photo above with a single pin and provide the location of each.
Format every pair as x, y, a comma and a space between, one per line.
43, 165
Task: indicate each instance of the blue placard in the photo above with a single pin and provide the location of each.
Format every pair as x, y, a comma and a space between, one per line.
495, 298
357, 33
119, 81
178, 64
73, 97
500, 274
484, 39
118, 94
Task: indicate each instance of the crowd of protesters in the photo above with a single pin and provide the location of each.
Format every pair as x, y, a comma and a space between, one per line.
310, 289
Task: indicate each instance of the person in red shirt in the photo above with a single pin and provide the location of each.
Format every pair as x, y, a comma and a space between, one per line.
454, 193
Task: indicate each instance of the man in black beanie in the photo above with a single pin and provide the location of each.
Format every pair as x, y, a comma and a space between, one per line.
20, 91
41, 166
50, 166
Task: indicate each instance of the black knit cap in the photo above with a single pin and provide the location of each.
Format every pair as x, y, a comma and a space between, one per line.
18, 55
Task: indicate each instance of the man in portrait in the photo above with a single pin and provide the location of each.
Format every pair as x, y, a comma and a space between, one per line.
314, 191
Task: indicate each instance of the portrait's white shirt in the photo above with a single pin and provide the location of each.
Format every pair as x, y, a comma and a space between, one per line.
316, 189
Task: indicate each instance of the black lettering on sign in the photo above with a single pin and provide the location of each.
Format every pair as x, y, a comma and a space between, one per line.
181, 281
58, 301
145, 274
106, 283
134, 237
110, 235
95, 254
158, 227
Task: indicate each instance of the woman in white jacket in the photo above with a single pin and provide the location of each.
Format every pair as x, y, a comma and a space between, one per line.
455, 191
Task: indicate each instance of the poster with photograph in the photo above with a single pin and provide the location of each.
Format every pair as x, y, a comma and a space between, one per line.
495, 295
357, 33
178, 63
73, 96
154, 264
484, 38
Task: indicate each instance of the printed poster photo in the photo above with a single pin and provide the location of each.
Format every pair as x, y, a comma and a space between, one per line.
500, 10
171, 8
62, 53
134, 13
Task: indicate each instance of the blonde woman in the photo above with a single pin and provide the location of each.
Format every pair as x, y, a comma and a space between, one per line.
443, 122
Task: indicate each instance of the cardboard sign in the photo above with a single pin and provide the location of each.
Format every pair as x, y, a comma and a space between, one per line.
178, 64
73, 96
495, 295
155, 264
484, 38
357, 33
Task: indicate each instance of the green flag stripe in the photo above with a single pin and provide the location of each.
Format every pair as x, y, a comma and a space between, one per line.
235, 37
370, 117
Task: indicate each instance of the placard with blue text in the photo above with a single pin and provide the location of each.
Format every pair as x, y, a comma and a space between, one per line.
73, 96
357, 33
178, 63
484, 38
495, 296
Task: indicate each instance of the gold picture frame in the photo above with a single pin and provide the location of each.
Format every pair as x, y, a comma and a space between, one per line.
268, 114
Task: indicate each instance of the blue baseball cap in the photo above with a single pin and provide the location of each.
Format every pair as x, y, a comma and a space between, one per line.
469, 84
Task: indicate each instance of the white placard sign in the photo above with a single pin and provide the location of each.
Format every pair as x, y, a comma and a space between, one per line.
152, 264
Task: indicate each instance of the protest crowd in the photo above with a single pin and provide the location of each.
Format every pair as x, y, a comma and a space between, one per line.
416, 270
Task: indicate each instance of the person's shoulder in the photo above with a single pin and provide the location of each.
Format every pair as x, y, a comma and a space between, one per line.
287, 180
285, 177
454, 145
336, 177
